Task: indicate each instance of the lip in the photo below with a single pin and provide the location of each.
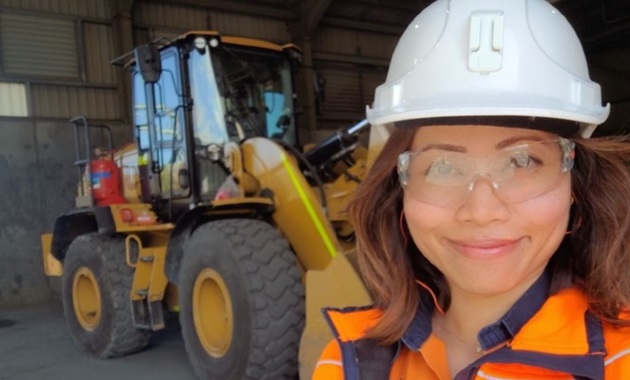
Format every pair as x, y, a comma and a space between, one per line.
486, 248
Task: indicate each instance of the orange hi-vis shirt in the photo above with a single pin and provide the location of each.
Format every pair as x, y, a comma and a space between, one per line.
541, 337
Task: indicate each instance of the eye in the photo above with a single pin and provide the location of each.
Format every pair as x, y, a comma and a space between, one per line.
520, 160
524, 160
442, 167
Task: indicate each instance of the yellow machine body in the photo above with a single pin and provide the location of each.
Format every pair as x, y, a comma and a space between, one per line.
269, 179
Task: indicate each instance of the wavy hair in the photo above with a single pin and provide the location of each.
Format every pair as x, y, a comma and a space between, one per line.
594, 257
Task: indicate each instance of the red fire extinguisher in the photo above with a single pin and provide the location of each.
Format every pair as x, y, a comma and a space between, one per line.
106, 184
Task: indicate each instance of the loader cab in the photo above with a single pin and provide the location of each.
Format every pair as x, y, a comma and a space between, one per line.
196, 94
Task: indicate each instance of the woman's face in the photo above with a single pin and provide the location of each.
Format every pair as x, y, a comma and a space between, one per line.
486, 238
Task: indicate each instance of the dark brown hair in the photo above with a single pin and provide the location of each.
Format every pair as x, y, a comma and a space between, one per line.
595, 257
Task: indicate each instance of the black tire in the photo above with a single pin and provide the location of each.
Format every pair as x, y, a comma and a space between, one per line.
98, 265
255, 267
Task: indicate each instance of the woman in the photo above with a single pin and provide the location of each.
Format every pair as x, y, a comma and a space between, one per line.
501, 245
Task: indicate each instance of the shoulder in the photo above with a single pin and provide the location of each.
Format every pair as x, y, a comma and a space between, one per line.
329, 366
348, 325
557, 327
617, 360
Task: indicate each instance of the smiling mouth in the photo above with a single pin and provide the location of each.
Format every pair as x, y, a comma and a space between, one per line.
485, 249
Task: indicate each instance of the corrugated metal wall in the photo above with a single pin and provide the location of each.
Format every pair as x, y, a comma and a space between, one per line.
38, 46
55, 63
63, 57
248, 26
349, 86
169, 19
55, 101
342, 90
158, 16
99, 52
335, 40
82, 8
376, 45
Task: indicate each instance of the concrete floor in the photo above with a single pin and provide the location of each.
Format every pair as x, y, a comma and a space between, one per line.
35, 344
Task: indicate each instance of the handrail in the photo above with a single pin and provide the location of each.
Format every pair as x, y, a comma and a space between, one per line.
83, 161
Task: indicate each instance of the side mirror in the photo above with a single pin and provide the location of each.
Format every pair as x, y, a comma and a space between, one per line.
149, 62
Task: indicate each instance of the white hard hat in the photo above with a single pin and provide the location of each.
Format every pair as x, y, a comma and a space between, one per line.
489, 58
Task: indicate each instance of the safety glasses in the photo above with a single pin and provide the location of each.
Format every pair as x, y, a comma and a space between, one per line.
444, 178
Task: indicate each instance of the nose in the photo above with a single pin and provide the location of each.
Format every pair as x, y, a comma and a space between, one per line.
482, 205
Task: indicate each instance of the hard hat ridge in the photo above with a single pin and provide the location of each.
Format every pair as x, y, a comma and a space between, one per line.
489, 58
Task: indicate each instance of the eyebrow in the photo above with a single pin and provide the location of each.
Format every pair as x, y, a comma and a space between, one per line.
512, 140
500, 145
447, 147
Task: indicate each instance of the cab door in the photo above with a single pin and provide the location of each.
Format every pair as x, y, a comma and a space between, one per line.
159, 118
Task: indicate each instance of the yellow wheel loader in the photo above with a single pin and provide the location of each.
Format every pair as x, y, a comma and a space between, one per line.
212, 212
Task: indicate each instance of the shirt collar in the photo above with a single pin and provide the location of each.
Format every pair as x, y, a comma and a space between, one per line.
492, 335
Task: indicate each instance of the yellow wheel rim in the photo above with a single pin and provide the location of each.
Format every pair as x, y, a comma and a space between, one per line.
212, 313
86, 298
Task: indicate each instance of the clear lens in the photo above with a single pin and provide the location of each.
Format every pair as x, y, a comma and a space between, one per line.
444, 177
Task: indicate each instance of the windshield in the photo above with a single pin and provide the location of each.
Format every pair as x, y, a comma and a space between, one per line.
255, 92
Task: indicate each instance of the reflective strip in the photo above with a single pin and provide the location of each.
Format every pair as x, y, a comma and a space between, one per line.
309, 207
617, 356
483, 375
329, 362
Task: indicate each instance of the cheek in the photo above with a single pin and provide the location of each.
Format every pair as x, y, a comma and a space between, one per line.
551, 209
425, 221
546, 218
